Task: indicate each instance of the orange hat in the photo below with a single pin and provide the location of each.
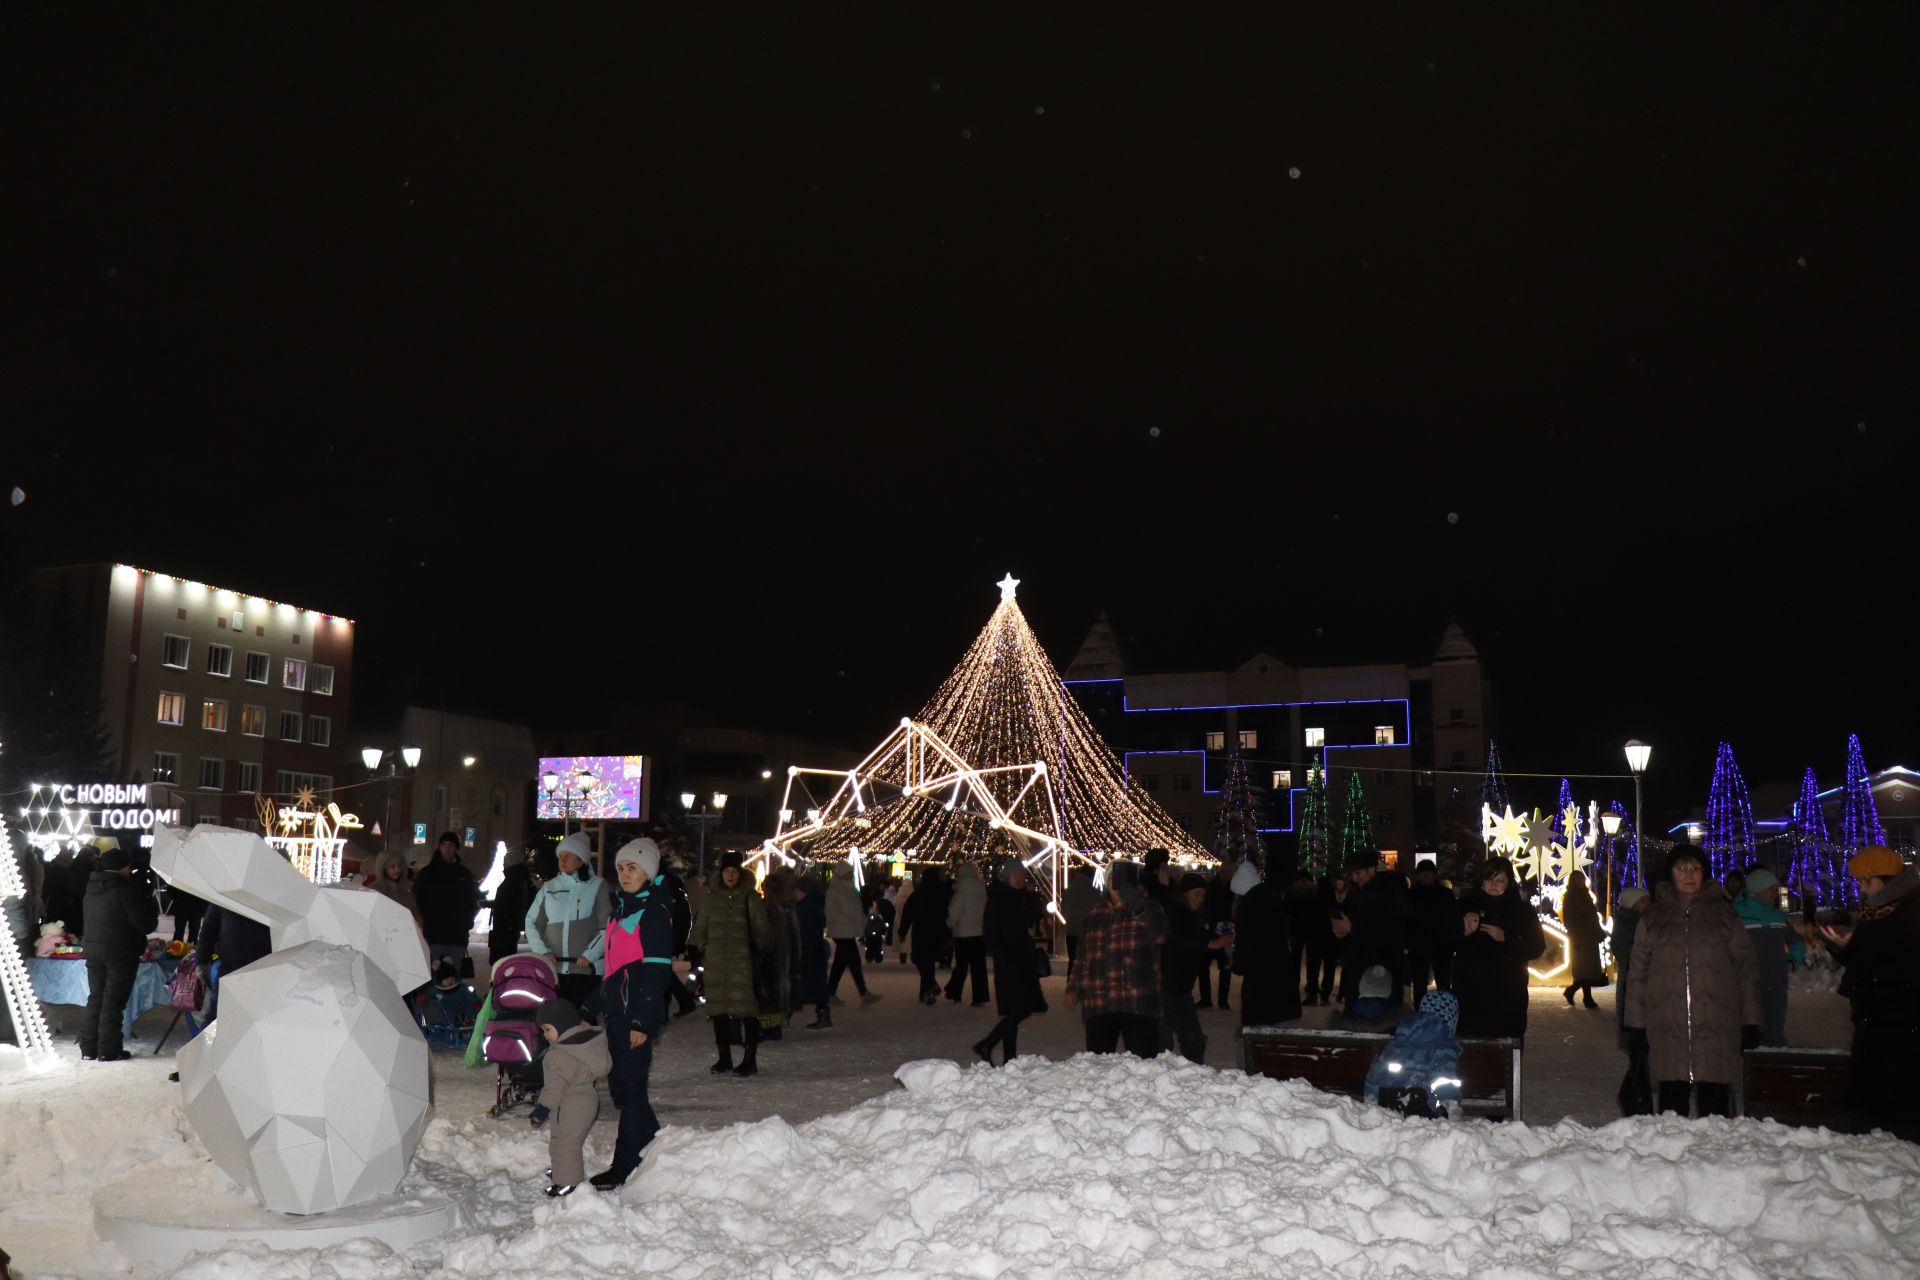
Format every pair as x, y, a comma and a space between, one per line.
1876, 860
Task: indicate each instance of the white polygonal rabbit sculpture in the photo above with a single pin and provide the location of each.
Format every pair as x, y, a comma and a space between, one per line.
313, 1087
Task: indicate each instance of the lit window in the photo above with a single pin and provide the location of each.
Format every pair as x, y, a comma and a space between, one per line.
320, 730
253, 721
213, 715
1383, 735
213, 774
1217, 741
1282, 779
289, 726
293, 674
173, 709
1183, 782
1316, 737
249, 776
323, 680
220, 660
1249, 739
256, 668
166, 766
173, 652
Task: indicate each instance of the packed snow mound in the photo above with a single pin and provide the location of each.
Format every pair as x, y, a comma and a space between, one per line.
1111, 1166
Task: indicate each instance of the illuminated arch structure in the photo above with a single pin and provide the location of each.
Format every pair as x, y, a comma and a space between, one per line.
1537, 856
1002, 758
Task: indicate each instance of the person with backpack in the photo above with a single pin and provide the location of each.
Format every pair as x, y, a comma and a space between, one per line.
1418, 1070
119, 915
448, 896
729, 933
567, 920
576, 1056
631, 1002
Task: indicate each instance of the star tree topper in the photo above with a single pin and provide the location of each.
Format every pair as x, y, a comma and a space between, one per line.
1008, 585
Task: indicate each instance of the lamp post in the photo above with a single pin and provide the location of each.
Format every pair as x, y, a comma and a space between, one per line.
703, 819
1638, 753
1609, 823
577, 783
371, 757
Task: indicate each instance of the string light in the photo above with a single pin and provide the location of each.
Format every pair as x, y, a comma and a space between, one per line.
1493, 782
23, 1005
1356, 834
1728, 840
1812, 859
1237, 834
279, 604
1860, 823
1316, 824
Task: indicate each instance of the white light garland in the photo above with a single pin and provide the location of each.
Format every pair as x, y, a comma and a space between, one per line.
23, 1005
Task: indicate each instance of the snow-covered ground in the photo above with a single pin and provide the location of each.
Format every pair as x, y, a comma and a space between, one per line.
1058, 1166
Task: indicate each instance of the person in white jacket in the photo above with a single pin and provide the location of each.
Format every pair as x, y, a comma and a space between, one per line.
567, 922
966, 916
846, 921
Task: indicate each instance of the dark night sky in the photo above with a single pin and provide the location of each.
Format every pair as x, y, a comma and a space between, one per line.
730, 357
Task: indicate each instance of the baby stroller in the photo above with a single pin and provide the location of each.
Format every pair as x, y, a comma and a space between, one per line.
511, 1039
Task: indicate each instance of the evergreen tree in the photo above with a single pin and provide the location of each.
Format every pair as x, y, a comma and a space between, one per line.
1817, 869
1316, 826
1356, 835
1626, 869
1236, 834
1729, 838
1560, 809
1861, 823
1493, 783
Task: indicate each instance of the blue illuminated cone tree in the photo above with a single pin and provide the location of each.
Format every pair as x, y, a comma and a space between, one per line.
1728, 841
1493, 782
1861, 821
1817, 871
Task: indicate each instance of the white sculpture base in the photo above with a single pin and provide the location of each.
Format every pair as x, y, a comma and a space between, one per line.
150, 1221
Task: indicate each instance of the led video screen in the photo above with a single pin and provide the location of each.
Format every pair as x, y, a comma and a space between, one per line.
593, 788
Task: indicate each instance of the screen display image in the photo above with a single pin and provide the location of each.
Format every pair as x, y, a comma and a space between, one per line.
592, 788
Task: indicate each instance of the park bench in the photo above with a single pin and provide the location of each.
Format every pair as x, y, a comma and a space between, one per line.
1806, 1088
1337, 1061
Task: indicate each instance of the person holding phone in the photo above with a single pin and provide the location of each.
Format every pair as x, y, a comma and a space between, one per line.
1499, 933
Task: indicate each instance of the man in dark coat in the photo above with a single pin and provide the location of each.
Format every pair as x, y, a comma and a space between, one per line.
1372, 926
448, 897
232, 939
923, 924
511, 898
1012, 934
119, 916
1265, 956
1217, 911
1186, 957
1433, 925
1881, 955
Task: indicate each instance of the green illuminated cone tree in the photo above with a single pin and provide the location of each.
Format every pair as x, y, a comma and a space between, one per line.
1356, 832
1316, 824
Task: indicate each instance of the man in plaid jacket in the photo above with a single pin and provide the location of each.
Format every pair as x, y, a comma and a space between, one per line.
1116, 981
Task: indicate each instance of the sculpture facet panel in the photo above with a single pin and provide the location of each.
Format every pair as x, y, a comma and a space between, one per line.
312, 1088
371, 923
236, 869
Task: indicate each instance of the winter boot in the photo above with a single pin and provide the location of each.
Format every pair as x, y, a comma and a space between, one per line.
750, 1063
983, 1049
610, 1179
725, 1063
823, 1021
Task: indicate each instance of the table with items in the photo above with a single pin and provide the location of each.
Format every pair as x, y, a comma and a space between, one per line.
63, 980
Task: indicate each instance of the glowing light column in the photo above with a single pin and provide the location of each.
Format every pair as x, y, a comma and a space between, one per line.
23, 1006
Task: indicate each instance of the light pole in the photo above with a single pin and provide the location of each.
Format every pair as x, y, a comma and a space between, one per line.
1609, 823
371, 757
1638, 753
578, 783
703, 819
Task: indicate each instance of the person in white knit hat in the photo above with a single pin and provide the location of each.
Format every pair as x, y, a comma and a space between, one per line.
568, 919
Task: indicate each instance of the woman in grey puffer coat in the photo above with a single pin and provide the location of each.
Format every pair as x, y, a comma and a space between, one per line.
1692, 990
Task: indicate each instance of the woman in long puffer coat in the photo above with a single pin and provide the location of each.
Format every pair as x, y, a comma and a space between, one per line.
1499, 933
1693, 993
1577, 912
730, 927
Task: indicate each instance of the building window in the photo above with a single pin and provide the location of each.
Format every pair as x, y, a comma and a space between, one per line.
323, 680
1383, 735
1459, 757
292, 783
1383, 819
293, 674
256, 667
220, 660
1283, 779
166, 766
1316, 737
289, 726
249, 776
253, 721
173, 652
499, 802
1456, 714
1217, 741
1249, 739
213, 715
213, 773
1183, 782
1150, 781
439, 799
173, 709
320, 730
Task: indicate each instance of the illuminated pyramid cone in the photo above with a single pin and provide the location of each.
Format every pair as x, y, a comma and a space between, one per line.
1001, 761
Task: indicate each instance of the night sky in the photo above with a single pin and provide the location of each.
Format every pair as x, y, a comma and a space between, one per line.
730, 355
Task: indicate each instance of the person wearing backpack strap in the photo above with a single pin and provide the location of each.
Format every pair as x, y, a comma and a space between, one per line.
631, 1001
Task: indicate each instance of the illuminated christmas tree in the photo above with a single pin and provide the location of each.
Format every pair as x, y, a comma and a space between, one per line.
1860, 823
1626, 868
1493, 782
1560, 809
1001, 761
1728, 842
1356, 835
1316, 823
1236, 834
1817, 870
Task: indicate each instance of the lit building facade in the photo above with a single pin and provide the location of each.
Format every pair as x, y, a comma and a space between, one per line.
212, 695
1417, 734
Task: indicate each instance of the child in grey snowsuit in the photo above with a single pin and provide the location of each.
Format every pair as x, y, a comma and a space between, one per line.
576, 1056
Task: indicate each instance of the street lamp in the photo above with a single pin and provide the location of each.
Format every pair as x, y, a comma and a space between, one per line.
371, 757
1609, 823
578, 783
1638, 754
703, 819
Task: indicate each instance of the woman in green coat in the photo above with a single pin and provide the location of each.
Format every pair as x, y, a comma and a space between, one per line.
732, 925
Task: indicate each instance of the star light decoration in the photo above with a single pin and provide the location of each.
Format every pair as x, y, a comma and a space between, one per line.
1548, 863
1002, 759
